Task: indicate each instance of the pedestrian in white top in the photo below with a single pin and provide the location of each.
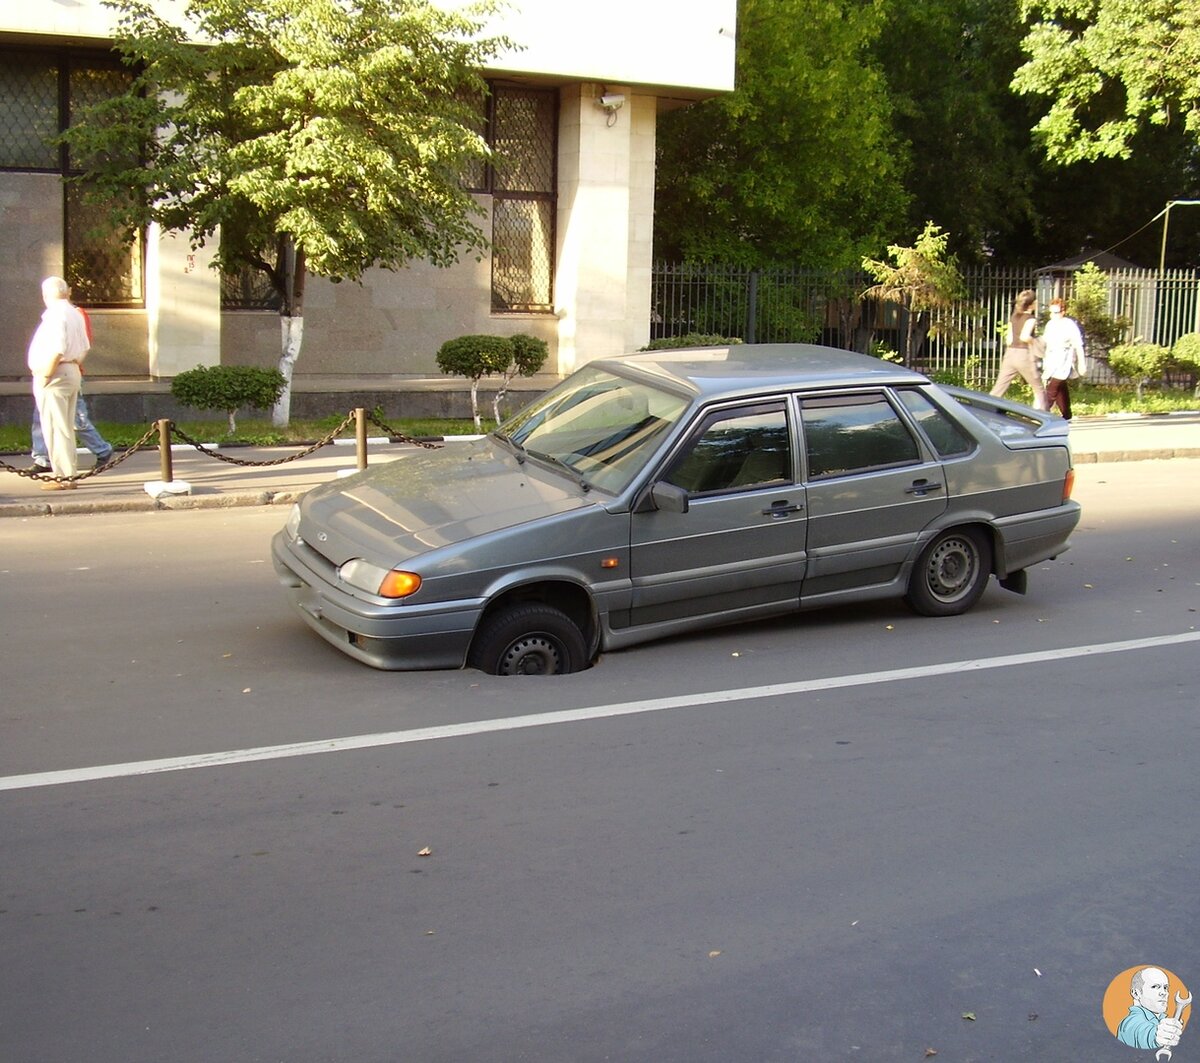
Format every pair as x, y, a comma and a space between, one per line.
58, 347
1063, 359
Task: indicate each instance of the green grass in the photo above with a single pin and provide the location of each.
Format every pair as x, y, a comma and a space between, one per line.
14, 439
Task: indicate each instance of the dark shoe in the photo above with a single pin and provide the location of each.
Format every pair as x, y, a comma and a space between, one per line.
38, 468
103, 459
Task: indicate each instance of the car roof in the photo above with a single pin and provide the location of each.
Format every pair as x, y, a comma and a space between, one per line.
747, 367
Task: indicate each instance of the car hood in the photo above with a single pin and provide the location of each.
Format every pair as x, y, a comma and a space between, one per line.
431, 499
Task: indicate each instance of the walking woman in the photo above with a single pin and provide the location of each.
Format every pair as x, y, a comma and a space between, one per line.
1021, 350
1064, 357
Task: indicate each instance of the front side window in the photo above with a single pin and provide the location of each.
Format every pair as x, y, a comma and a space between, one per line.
736, 450
848, 434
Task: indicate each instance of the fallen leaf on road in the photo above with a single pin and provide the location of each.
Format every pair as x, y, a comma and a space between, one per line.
970, 1015
426, 852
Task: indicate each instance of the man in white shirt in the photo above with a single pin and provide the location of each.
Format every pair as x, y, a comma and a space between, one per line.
56, 351
1064, 356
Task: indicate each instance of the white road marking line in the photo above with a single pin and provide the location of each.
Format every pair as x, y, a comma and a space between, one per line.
595, 712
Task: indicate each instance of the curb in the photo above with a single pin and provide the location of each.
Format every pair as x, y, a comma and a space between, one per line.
235, 500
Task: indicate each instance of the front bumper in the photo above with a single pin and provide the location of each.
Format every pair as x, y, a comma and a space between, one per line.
394, 637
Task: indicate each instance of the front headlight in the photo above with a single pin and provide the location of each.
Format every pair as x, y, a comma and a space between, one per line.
374, 579
293, 522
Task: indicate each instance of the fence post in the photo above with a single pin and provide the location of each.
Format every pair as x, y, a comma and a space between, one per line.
752, 309
166, 473
360, 436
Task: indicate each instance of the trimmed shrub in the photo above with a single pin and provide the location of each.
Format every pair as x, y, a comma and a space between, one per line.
476, 356
228, 388
1139, 362
692, 339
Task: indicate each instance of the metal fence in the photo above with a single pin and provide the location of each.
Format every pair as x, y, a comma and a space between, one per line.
792, 305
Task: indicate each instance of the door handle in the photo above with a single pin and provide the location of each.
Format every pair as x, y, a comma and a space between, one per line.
923, 487
782, 509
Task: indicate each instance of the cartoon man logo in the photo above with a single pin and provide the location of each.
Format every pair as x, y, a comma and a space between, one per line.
1147, 1024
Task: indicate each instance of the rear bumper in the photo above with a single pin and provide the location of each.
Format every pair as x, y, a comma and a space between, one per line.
1026, 539
392, 637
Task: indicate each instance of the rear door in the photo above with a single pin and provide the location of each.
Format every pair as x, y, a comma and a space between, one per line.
872, 487
739, 550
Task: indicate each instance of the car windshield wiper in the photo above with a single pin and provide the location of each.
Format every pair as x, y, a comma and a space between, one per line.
518, 451
558, 462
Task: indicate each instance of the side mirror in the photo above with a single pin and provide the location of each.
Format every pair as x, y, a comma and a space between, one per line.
669, 498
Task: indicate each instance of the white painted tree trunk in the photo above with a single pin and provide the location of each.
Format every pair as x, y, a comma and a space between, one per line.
292, 332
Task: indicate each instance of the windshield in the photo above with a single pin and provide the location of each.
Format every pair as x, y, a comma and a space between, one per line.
603, 427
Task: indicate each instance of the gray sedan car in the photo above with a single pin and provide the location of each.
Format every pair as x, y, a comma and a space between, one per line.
653, 494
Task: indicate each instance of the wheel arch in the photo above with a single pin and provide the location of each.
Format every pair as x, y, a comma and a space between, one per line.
564, 594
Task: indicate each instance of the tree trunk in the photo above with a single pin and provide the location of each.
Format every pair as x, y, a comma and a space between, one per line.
290, 276
292, 333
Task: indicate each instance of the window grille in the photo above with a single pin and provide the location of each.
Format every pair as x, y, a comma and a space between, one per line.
521, 131
40, 90
248, 289
29, 111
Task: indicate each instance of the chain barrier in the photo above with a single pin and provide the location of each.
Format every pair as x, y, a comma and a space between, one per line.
113, 462
230, 459
400, 437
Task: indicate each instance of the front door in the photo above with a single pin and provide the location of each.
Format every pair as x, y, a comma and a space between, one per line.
739, 549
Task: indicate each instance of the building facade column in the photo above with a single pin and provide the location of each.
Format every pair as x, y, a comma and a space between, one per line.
605, 223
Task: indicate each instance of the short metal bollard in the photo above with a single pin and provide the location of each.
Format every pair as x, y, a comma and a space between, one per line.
164, 451
360, 436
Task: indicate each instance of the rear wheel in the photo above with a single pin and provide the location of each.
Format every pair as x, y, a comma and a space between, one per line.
532, 639
951, 574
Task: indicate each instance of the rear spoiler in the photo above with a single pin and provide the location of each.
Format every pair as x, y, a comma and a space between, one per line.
1030, 427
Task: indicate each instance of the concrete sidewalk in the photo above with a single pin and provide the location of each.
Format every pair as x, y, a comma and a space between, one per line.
220, 484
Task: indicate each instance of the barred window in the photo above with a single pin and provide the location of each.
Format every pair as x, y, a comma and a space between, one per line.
248, 289
521, 130
39, 92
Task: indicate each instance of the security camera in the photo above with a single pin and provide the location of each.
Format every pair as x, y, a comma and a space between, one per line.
612, 102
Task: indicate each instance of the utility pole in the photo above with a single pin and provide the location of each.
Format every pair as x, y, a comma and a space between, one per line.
1165, 214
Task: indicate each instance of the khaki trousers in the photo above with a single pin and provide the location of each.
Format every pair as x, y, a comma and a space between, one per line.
56, 408
1019, 362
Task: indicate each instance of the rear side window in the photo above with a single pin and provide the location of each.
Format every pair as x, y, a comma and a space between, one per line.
849, 434
948, 438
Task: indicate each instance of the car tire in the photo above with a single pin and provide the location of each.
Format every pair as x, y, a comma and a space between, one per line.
531, 639
951, 574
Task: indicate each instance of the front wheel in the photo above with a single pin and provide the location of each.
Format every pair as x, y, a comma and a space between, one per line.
531, 639
951, 574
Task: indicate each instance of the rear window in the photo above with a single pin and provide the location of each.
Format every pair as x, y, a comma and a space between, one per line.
948, 438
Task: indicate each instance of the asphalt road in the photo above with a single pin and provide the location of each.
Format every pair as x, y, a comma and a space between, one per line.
854, 835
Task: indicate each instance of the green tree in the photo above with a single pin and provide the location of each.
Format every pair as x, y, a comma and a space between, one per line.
924, 281
967, 158
1109, 68
798, 164
1089, 307
318, 136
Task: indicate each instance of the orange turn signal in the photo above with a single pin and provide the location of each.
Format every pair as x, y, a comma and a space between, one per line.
398, 584
1068, 484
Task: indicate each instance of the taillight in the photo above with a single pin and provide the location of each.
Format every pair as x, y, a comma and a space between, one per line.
1068, 484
